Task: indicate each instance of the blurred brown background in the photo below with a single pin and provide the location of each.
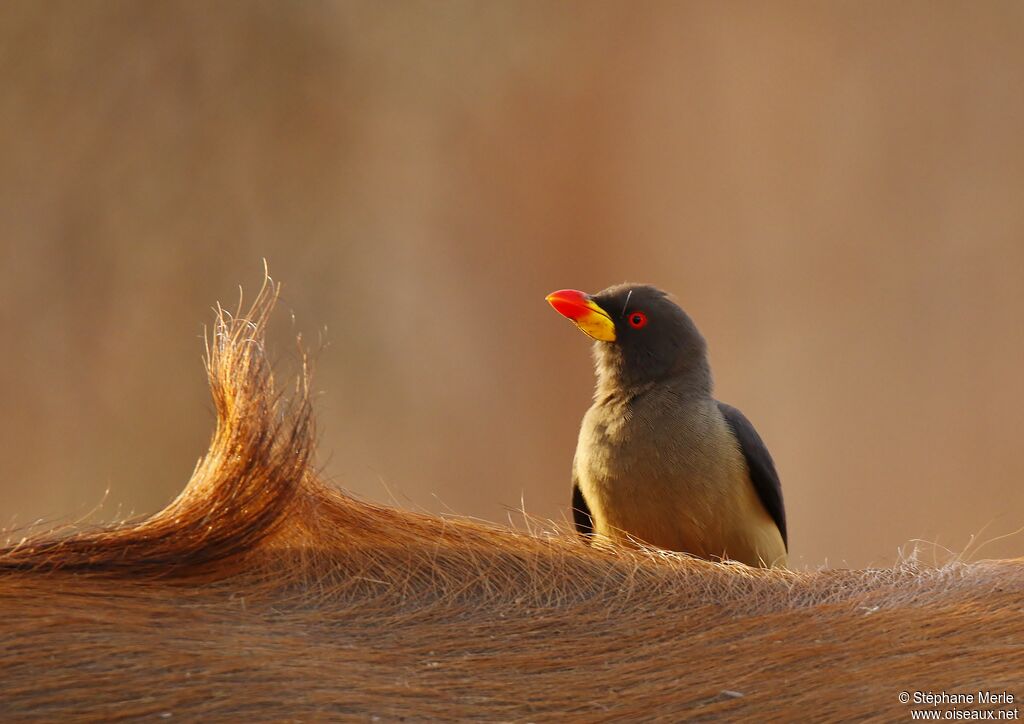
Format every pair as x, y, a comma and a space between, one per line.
835, 191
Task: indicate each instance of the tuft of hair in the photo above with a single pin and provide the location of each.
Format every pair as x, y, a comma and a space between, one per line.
262, 593
240, 490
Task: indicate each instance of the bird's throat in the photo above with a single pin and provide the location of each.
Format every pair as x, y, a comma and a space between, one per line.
620, 377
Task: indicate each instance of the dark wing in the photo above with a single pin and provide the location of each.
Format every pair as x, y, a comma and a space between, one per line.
760, 464
580, 510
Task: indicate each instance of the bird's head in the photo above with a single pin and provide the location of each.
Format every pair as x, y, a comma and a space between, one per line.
642, 336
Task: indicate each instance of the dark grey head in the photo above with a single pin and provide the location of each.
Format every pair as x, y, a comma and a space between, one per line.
642, 337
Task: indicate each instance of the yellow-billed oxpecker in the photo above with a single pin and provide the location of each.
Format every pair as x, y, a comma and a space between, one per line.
659, 460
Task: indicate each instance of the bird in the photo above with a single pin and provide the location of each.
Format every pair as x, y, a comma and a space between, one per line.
659, 461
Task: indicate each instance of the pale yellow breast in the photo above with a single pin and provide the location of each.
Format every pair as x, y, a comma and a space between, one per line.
696, 498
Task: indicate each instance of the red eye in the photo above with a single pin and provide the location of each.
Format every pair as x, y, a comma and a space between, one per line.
637, 320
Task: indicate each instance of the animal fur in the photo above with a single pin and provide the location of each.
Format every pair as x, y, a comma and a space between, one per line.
261, 593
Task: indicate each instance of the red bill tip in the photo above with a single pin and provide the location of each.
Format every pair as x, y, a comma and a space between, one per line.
570, 303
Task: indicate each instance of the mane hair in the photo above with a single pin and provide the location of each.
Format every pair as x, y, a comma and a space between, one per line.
263, 593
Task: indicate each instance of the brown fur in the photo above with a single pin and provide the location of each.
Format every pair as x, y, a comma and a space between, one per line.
260, 593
